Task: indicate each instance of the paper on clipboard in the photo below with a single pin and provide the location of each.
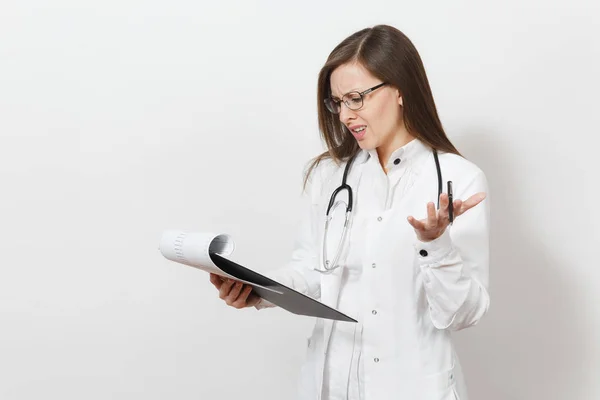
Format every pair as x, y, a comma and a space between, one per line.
194, 249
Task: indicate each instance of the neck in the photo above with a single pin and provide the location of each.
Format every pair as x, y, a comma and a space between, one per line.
398, 140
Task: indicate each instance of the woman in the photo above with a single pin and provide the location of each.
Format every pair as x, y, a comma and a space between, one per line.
405, 272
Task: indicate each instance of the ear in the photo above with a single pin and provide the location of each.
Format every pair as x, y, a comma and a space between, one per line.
399, 95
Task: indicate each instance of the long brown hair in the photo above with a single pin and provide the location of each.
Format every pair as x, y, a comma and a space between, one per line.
390, 56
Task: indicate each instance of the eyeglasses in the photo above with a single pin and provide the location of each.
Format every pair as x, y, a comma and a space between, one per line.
352, 100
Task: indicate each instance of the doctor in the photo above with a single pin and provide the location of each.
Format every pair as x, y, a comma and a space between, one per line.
410, 268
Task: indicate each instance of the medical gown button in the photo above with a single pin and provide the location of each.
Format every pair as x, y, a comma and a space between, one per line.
373, 265
374, 312
397, 161
376, 359
379, 218
423, 253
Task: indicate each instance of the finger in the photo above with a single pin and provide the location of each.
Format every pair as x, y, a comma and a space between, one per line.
415, 223
216, 280
431, 214
226, 288
252, 300
472, 201
443, 213
234, 293
457, 207
242, 300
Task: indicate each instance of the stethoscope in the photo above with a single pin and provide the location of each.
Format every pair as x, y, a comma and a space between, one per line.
329, 266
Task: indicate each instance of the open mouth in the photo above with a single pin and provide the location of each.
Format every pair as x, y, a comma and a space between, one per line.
359, 131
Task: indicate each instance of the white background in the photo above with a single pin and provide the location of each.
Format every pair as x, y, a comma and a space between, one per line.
120, 119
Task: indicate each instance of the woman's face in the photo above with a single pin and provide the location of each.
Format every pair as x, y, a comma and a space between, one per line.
381, 113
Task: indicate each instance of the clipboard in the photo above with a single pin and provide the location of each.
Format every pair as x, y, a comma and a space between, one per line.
208, 251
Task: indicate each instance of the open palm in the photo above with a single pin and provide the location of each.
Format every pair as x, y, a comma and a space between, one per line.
435, 224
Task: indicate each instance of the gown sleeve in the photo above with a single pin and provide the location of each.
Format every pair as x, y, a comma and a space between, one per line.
299, 272
455, 266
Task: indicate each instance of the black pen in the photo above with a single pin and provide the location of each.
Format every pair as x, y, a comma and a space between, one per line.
450, 205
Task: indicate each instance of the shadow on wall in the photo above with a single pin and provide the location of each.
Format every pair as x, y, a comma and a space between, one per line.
529, 345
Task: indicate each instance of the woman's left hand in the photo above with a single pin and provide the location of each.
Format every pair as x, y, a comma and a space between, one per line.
436, 222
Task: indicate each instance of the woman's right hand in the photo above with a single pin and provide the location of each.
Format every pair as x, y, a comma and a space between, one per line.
234, 293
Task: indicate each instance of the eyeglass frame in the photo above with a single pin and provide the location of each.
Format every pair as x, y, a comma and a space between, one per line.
360, 94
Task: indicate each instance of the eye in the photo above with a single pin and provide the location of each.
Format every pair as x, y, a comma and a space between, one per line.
353, 99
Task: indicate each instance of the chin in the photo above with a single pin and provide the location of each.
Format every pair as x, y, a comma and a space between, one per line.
366, 144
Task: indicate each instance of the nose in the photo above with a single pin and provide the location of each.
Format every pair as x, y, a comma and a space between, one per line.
346, 114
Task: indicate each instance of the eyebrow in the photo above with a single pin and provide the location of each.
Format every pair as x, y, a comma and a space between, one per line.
351, 90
